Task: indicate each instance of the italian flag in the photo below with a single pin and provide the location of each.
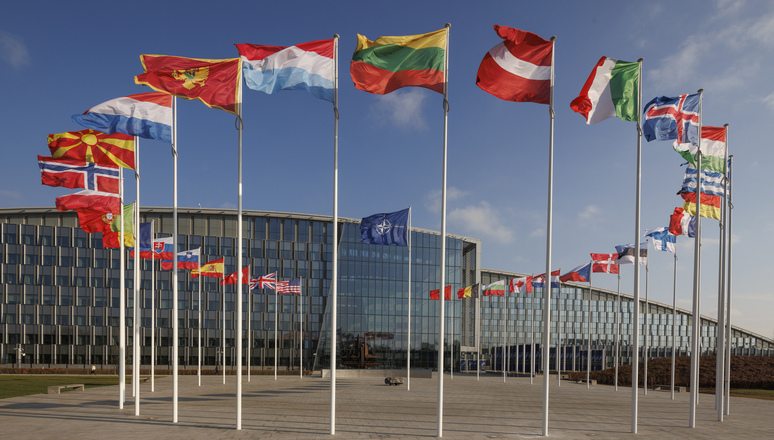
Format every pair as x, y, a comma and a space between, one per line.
611, 90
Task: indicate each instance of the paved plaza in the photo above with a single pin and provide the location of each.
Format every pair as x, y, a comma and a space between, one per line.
295, 408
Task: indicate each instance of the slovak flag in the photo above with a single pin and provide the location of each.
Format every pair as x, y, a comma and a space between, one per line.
147, 115
163, 247
540, 280
521, 285
604, 263
581, 273
185, 260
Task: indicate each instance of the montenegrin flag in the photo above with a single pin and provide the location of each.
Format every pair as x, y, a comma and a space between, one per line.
115, 149
610, 90
147, 115
519, 68
305, 66
214, 82
390, 63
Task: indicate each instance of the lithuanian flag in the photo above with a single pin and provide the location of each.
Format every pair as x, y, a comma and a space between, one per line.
390, 63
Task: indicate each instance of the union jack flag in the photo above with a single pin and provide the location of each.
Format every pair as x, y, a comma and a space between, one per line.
291, 286
604, 263
672, 118
264, 282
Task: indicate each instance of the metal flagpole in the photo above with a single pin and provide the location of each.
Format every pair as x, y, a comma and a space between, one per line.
301, 328
136, 312
617, 328
175, 321
153, 306
696, 286
646, 331
674, 321
728, 282
532, 337
588, 342
504, 316
408, 339
636, 328
276, 317
249, 318
240, 275
442, 293
199, 271
549, 237
720, 350
223, 321
121, 302
558, 336
335, 271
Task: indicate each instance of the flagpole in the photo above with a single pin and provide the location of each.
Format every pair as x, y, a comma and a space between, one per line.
408, 340
136, 311
276, 317
121, 301
175, 321
646, 331
674, 320
153, 307
301, 327
558, 335
617, 328
532, 336
636, 312
249, 318
588, 342
728, 282
720, 350
549, 237
504, 314
223, 322
442, 293
240, 275
198, 271
696, 286
335, 272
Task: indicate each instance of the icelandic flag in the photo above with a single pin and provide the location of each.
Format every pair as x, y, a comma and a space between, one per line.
77, 173
540, 280
147, 115
163, 247
185, 260
581, 273
662, 239
385, 228
305, 66
672, 118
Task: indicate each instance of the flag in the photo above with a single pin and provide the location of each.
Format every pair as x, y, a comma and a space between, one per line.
604, 263
626, 254
147, 115
77, 173
519, 68
663, 240
111, 239
291, 286
390, 63
264, 282
682, 223
92, 221
213, 82
232, 278
711, 182
163, 248
447, 291
113, 150
88, 199
672, 118
468, 292
496, 288
212, 269
581, 273
385, 228
611, 90
521, 285
185, 260
710, 205
540, 280
145, 243
306, 66
713, 150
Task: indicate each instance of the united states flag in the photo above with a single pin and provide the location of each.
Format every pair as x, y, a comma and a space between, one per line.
264, 282
291, 286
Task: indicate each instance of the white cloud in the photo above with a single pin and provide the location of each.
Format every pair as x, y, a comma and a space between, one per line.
402, 108
433, 198
13, 50
483, 221
589, 215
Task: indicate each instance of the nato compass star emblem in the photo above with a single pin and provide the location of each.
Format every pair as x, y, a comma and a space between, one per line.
383, 227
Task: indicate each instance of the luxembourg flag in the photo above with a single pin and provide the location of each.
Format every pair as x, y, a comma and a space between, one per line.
147, 115
305, 66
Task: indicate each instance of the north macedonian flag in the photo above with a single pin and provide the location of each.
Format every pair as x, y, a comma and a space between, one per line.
390, 63
115, 149
214, 82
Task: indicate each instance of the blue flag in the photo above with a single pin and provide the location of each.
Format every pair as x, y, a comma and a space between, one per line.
385, 228
662, 239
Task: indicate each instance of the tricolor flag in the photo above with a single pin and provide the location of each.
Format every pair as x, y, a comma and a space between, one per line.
713, 149
519, 68
390, 63
611, 90
214, 82
185, 260
581, 274
112, 239
672, 118
710, 205
92, 221
145, 243
540, 280
447, 291
496, 288
468, 292
292, 285
305, 66
77, 173
521, 285
89, 199
212, 269
113, 150
264, 282
682, 223
663, 240
604, 263
147, 115
626, 254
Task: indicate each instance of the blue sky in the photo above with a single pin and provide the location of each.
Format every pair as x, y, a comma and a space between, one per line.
59, 60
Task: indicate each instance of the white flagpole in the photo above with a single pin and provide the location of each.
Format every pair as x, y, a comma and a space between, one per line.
153, 307
646, 348
532, 337
198, 271
240, 252
635, 342
136, 311
121, 302
276, 317
249, 318
588, 342
720, 349
558, 336
223, 322
617, 328
549, 237
728, 283
175, 321
674, 321
408, 339
335, 272
696, 287
503, 314
442, 293
301, 328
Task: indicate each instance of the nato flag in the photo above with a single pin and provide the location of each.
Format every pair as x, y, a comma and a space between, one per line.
385, 228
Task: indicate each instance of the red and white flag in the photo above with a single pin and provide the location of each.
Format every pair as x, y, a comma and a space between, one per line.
519, 68
521, 285
604, 263
682, 223
88, 199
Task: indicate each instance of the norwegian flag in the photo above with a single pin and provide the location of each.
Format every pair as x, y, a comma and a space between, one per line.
672, 118
74, 173
264, 282
604, 263
291, 286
